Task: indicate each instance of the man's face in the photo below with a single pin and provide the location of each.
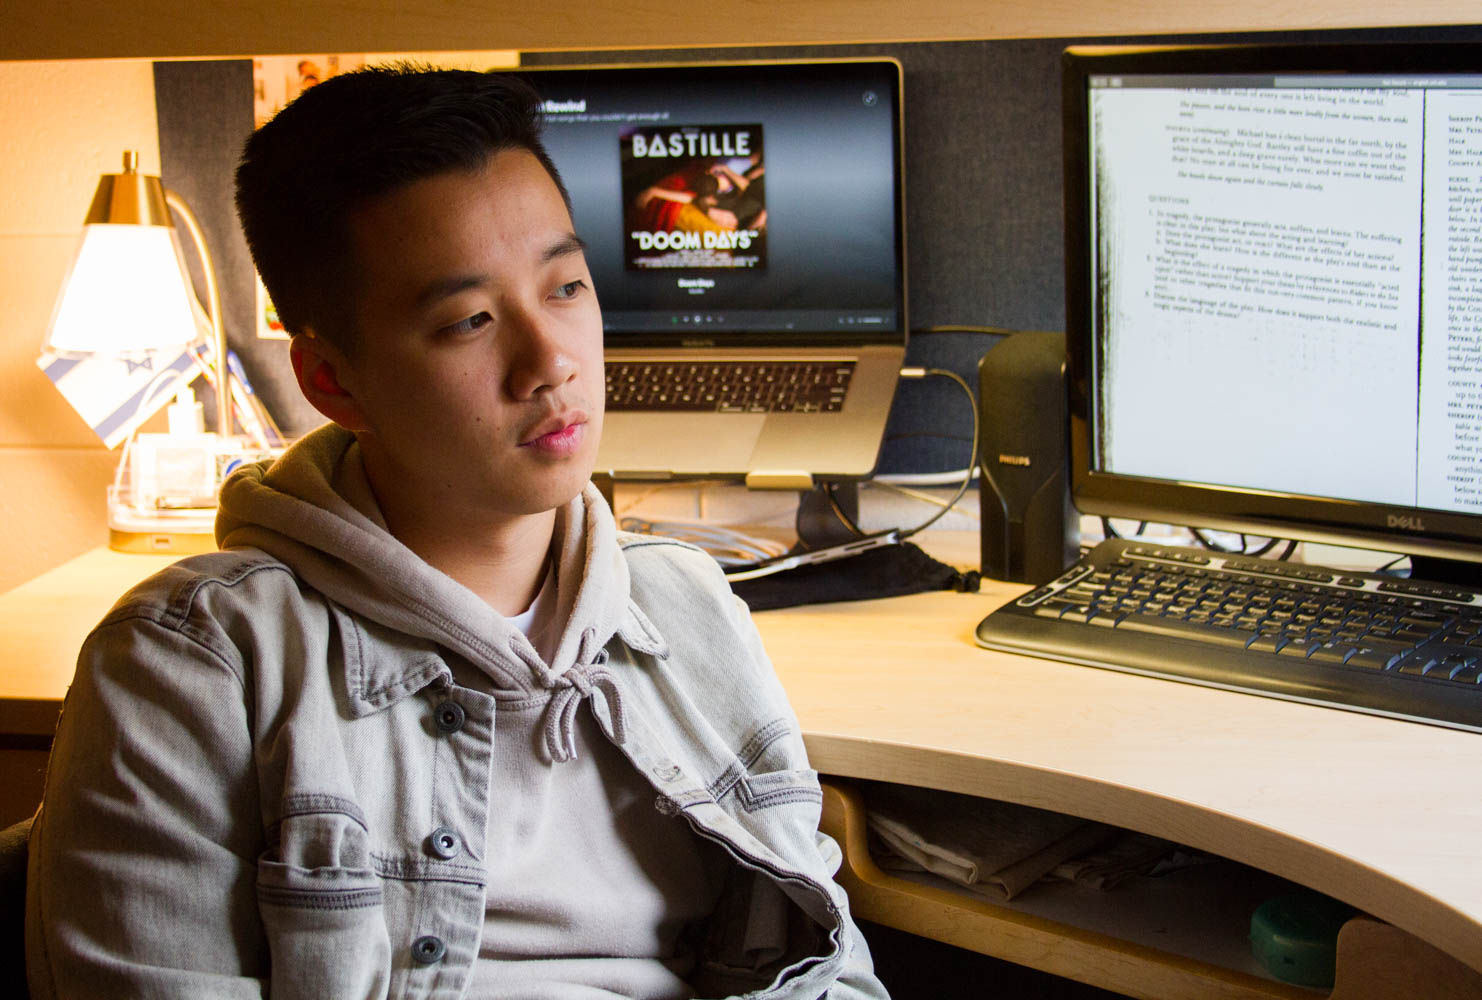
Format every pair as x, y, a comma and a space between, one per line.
477, 374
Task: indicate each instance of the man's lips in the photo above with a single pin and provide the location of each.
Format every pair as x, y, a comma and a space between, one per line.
558, 435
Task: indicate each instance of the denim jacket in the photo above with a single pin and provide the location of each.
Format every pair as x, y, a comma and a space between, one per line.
272, 773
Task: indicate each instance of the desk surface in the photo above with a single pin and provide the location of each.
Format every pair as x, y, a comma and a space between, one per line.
1380, 813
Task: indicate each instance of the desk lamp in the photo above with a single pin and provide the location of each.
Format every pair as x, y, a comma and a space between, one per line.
128, 294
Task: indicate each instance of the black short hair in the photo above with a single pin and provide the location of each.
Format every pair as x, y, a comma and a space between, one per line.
350, 139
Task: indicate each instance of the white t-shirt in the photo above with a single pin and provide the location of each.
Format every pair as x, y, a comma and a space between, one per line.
593, 893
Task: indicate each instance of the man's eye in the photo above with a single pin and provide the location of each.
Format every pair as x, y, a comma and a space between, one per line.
467, 326
570, 289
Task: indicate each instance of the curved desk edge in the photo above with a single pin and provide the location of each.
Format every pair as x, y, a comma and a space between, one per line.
1369, 889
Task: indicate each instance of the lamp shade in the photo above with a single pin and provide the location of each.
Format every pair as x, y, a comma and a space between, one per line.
126, 294
128, 291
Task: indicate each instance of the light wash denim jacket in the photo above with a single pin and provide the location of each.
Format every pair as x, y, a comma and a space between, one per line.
272, 774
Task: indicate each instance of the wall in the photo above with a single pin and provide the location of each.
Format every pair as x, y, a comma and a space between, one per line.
83, 114
64, 123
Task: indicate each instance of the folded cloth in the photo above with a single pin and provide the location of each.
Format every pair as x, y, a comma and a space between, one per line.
995, 849
889, 571
1128, 854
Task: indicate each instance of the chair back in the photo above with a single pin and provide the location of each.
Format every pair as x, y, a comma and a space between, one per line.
13, 841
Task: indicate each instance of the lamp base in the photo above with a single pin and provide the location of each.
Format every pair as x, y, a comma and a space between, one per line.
183, 531
163, 499
180, 543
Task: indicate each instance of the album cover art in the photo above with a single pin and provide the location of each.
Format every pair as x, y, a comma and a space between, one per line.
694, 197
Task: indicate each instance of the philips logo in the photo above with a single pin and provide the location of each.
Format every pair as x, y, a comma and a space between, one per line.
1409, 522
1021, 460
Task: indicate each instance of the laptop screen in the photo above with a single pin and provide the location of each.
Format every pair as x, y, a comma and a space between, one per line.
736, 204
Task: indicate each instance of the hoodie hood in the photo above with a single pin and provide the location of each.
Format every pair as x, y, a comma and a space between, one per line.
313, 510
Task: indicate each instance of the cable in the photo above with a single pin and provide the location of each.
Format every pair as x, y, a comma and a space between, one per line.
844, 519
1244, 550
995, 331
924, 478
1109, 532
1270, 544
726, 546
1212, 545
967, 480
912, 494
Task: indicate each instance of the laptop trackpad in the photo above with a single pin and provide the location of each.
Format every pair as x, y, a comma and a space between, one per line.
701, 444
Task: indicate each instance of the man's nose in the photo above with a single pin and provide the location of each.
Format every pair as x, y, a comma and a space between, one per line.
540, 359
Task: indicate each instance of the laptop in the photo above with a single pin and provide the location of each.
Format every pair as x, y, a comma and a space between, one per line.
745, 231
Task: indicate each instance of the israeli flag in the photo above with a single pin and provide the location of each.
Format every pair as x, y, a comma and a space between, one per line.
114, 394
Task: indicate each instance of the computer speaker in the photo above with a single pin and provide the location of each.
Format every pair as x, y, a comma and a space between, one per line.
1030, 529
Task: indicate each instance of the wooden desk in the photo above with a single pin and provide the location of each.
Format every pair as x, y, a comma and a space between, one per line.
1379, 813
1382, 814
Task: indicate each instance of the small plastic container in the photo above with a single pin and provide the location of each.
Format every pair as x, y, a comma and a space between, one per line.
1295, 937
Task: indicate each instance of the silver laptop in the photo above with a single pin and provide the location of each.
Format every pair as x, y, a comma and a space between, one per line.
745, 231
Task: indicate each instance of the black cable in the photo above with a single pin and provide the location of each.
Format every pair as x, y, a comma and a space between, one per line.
1208, 542
972, 404
1108, 531
1271, 543
996, 331
1389, 568
844, 518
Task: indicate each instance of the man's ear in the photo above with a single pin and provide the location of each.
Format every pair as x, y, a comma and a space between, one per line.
317, 366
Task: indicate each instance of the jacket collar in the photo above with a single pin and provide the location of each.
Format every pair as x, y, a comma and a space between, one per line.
301, 510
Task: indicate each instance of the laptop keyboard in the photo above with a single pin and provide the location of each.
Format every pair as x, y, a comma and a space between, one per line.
1359, 641
729, 387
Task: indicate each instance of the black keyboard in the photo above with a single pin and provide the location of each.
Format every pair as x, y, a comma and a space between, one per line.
730, 387
1358, 641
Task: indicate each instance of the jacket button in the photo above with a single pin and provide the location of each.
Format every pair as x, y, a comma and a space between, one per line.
445, 843
428, 949
450, 717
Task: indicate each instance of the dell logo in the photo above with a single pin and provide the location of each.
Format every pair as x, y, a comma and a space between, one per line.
1409, 522
1013, 460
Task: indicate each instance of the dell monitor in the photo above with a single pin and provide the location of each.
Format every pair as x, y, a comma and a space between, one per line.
1274, 290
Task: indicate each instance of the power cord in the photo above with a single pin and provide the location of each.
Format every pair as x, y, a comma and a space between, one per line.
968, 474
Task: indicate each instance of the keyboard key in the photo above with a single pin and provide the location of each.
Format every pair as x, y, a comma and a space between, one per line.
1375, 659
1268, 643
1331, 652
1187, 630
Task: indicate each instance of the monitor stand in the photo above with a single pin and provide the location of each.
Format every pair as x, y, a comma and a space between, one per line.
818, 524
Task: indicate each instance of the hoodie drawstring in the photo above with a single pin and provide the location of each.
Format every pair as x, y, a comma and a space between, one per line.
572, 687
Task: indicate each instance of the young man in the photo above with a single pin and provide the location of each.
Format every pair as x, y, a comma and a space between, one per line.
428, 726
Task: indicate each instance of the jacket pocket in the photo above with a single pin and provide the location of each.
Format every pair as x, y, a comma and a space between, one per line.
775, 788
321, 904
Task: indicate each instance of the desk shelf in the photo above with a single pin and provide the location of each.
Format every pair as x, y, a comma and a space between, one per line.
1373, 958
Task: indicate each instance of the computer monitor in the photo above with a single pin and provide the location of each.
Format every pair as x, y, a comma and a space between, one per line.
1274, 290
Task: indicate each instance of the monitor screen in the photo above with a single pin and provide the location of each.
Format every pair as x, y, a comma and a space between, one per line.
738, 203
1274, 290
